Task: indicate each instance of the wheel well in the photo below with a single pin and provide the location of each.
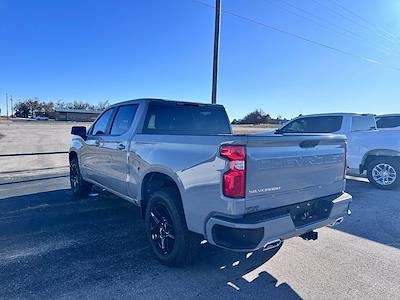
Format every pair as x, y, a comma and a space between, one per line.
371, 157
72, 155
153, 182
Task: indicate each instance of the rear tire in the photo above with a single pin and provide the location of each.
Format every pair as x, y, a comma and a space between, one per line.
80, 188
170, 240
384, 173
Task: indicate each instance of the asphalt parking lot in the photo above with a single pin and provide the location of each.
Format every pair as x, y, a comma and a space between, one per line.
52, 246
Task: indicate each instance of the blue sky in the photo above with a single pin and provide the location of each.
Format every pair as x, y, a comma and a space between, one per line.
118, 50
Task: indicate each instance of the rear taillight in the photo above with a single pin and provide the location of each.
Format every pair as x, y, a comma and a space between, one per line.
233, 184
345, 160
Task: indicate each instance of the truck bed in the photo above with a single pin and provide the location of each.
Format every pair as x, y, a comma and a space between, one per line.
280, 170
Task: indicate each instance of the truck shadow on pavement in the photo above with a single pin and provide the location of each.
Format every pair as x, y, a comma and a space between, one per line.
52, 246
375, 214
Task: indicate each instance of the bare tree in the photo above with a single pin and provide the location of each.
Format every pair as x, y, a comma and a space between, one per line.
33, 105
102, 105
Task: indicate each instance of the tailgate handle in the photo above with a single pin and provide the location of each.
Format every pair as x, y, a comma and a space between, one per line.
309, 144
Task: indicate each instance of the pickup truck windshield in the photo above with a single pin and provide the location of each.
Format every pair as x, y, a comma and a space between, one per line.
183, 119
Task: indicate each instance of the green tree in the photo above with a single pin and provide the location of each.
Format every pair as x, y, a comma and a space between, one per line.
258, 116
21, 109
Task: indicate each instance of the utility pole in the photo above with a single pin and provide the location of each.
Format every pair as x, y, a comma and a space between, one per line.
12, 107
7, 105
216, 51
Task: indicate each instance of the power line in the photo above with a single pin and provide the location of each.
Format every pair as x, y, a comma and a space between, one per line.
319, 18
329, 25
350, 19
389, 34
297, 36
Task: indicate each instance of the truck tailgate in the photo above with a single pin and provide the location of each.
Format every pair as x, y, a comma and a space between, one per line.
283, 170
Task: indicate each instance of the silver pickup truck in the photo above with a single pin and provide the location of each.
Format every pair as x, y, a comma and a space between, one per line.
193, 179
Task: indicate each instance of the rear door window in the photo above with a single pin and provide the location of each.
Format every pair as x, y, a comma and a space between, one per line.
322, 124
363, 123
123, 119
101, 125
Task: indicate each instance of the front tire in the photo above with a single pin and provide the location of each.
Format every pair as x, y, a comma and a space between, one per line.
170, 240
384, 173
80, 188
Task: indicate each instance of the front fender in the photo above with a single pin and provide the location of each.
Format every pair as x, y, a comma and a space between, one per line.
378, 152
76, 144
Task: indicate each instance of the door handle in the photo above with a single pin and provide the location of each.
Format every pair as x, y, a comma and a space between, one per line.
121, 147
97, 143
309, 144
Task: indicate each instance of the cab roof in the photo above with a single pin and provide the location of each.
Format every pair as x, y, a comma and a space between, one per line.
336, 114
147, 100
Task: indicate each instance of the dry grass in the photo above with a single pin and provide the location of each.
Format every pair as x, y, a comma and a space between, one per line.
246, 129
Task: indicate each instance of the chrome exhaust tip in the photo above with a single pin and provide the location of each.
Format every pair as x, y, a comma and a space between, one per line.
337, 222
273, 244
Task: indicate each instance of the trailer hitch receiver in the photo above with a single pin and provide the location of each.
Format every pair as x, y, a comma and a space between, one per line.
311, 235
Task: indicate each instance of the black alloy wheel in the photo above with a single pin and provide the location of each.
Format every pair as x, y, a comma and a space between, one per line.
162, 229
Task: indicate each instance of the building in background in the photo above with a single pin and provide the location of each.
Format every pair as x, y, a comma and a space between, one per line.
80, 115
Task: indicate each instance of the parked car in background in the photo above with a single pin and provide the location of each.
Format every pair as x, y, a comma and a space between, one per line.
42, 118
391, 121
372, 151
193, 178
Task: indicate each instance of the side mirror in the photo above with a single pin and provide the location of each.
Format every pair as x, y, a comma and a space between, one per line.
80, 131
278, 131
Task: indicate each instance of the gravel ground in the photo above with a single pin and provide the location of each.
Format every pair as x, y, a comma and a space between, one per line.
46, 136
52, 246
33, 136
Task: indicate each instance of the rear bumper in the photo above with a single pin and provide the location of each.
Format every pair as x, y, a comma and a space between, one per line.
254, 231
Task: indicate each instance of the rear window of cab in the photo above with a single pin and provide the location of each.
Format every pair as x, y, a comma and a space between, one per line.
186, 119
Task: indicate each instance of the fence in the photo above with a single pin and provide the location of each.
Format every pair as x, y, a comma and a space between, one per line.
10, 173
